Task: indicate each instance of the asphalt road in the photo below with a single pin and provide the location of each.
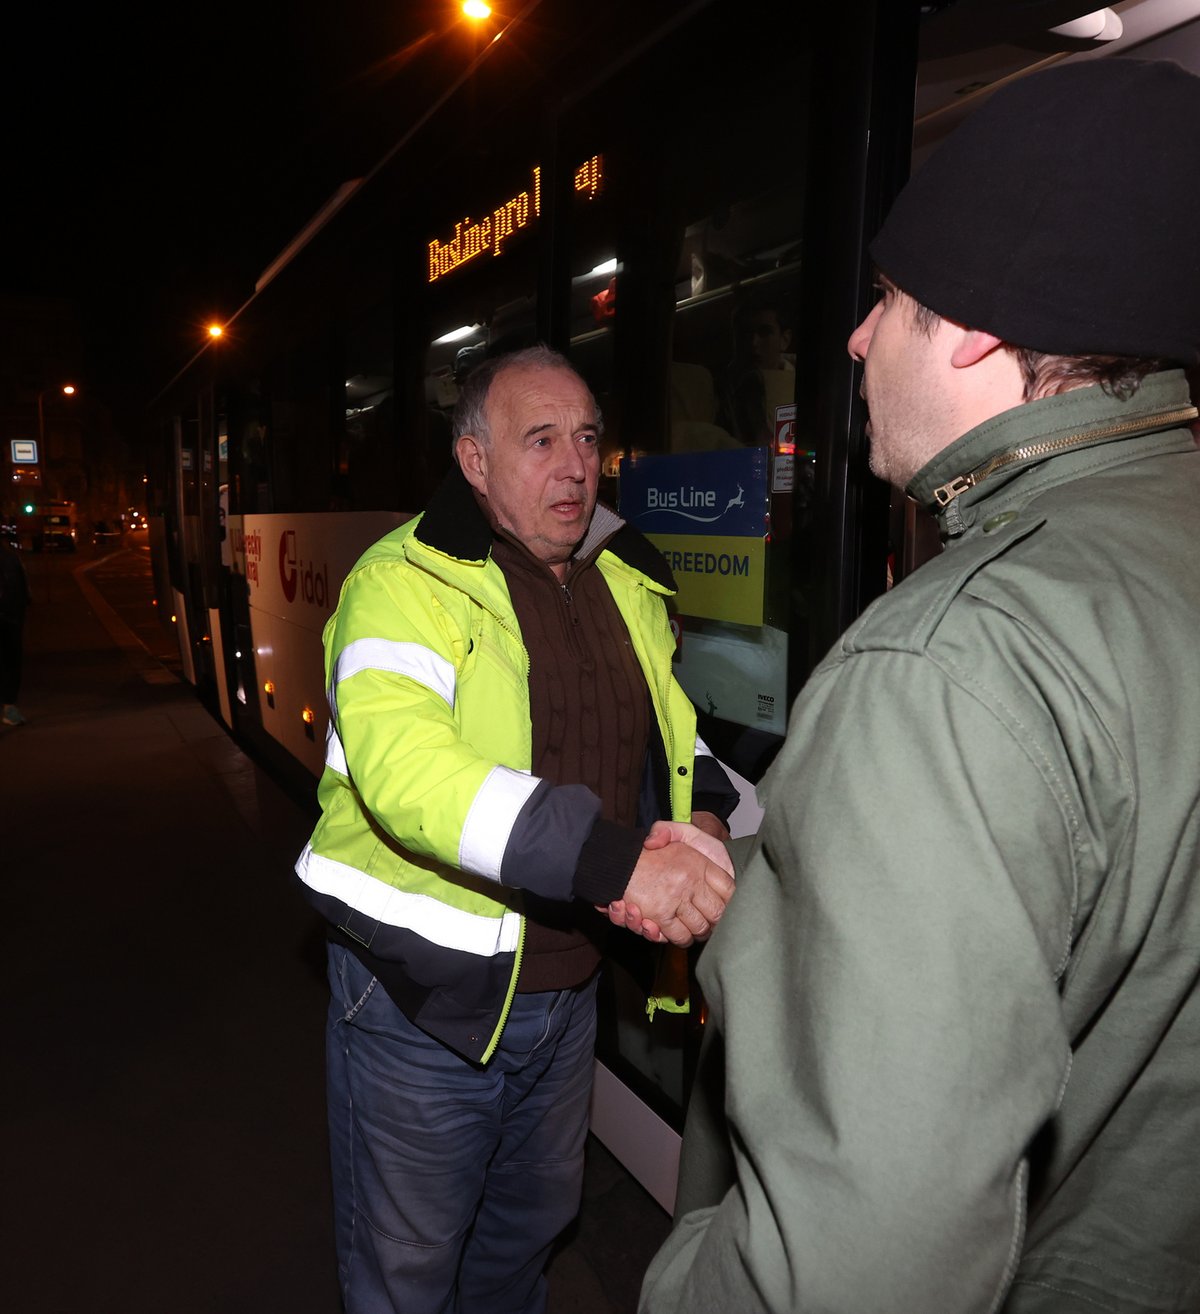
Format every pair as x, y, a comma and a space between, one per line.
163, 1104
164, 1142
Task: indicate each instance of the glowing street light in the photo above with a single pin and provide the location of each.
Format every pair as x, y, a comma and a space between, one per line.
67, 390
476, 9
215, 331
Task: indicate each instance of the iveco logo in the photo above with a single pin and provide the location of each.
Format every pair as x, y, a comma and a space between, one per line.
301, 577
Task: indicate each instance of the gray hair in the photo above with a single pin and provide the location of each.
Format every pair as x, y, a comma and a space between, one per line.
470, 411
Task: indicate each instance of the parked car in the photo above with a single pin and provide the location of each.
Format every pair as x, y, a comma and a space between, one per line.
58, 533
53, 526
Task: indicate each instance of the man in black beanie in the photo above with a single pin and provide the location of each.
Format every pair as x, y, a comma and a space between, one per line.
954, 1049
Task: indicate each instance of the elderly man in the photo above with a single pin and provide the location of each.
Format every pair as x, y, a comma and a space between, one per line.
957, 993
504, 725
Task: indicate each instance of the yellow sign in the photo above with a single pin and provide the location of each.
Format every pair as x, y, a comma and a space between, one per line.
719, 578
474, 237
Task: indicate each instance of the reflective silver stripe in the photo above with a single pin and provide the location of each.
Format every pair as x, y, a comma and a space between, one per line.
335, 754
412, 659
490, 820
473, 933
702, 749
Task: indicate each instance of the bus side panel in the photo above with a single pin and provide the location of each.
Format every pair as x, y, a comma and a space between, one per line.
292, 567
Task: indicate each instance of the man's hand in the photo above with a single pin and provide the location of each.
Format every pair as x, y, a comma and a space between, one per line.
701, 838
624, 912
710, 824
679, 888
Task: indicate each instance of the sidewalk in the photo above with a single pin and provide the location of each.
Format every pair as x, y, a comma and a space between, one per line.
164, 1108
165, 1143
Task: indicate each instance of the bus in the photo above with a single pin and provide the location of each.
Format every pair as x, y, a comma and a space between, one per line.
678, 196
48, 526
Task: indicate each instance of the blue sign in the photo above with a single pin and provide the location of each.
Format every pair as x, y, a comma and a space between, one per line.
721, 493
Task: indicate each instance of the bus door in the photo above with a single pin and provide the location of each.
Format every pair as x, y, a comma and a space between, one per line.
705, 215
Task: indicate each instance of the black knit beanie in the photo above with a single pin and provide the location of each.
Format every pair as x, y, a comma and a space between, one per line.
1064, 215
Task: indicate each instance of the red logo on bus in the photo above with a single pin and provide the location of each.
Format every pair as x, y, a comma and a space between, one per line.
302, 579
287, 563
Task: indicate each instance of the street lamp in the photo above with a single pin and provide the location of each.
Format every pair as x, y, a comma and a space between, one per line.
67, 390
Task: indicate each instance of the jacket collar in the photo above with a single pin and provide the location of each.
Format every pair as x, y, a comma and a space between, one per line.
454, 525
973, 469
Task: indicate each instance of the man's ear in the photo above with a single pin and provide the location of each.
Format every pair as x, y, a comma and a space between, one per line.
472, 459
972, 347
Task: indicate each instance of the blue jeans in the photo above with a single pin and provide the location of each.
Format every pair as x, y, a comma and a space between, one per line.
451, 1181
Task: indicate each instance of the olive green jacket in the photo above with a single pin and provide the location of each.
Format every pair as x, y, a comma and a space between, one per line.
957, 988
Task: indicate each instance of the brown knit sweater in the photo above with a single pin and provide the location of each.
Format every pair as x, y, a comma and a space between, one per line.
590, 715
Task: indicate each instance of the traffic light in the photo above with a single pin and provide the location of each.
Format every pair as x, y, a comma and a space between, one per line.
28, 508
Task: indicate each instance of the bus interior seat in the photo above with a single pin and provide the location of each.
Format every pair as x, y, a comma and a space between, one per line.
779, 389
694, 426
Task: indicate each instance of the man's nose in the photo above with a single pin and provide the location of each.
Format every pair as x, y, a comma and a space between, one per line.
571, 464
860, 339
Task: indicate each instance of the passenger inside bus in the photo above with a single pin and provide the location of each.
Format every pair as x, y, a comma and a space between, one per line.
761, 375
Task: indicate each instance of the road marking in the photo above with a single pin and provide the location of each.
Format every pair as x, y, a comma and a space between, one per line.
140, 657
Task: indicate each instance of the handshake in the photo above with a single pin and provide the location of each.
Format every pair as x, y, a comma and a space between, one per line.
681, 884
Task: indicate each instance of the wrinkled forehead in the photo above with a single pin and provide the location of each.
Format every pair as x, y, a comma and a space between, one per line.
528, 396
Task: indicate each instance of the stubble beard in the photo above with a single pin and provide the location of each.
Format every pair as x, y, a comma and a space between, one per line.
909, 443
894, 463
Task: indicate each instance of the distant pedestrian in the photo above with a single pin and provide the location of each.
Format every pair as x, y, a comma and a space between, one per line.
14, 598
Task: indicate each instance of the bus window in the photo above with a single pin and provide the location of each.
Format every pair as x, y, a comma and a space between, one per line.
684, 259
732, 361
732, 432
684, 287
366, 475
299, 385
249, 447
592, 306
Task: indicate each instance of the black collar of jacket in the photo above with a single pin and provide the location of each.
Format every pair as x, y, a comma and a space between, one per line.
454, 524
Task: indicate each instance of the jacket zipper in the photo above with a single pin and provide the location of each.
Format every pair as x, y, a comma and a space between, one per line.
666, 718
512, 991
574, 635
520, 954
948, 491
662, 695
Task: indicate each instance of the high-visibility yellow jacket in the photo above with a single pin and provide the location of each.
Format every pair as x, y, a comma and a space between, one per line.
432, 825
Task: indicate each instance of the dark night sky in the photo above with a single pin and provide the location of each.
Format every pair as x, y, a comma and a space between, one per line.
159, 158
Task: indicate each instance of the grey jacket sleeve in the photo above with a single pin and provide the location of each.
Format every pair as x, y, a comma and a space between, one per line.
884, 984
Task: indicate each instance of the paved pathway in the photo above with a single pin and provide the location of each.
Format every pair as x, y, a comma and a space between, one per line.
164, 998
